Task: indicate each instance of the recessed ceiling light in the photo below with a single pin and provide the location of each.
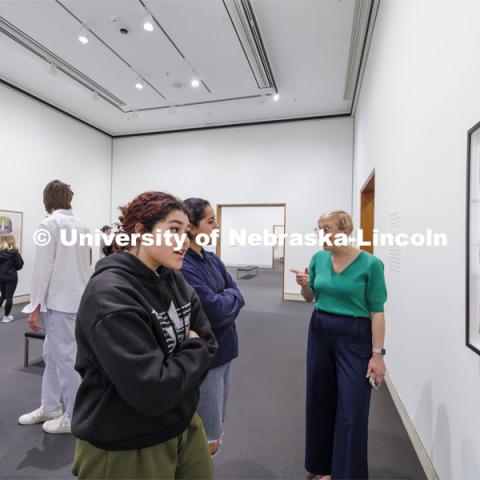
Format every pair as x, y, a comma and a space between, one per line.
83, 36
139, 85
195, 83
148, 23
276, 97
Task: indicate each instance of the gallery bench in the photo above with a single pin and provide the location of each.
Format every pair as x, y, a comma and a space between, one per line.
247, 269
28, 336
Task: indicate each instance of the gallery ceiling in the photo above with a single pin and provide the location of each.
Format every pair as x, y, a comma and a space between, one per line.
139, 66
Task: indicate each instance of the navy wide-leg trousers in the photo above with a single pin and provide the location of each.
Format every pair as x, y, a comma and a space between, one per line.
338, 395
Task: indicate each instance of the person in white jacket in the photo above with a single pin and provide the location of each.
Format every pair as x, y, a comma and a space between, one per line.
60, 275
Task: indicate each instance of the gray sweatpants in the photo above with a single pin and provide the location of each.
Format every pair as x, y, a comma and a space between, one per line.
60, 380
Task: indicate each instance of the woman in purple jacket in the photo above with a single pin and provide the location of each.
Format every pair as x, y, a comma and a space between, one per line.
221, 301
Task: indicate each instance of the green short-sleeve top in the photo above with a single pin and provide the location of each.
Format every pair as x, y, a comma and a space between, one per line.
356, 291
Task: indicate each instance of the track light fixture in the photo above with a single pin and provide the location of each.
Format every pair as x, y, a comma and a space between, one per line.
148, 23
83, 35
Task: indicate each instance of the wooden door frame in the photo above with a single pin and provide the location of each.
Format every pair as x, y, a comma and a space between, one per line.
220, 206
367, 181
368, 187
273, 248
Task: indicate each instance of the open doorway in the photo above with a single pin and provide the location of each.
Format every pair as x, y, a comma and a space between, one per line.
278, 250
367, 211
249, 261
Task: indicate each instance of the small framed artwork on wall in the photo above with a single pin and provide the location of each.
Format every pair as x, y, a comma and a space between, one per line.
11, 222
473, 240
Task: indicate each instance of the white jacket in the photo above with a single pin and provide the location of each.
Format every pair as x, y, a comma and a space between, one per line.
60, 273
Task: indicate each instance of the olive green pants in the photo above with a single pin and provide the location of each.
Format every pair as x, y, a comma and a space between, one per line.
186, 456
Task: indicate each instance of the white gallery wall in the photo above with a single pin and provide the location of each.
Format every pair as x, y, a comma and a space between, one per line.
39, 144
305, 164
248, 222
419, 97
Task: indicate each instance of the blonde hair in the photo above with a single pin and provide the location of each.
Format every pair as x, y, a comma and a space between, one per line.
342, 219
7, 242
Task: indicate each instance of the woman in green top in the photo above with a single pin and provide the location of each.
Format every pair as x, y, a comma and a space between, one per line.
345, 351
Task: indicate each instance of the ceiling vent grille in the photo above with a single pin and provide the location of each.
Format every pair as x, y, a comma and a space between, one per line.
33, 46
357, 41
243, 20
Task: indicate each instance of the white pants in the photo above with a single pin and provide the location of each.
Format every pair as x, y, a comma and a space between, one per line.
60, 380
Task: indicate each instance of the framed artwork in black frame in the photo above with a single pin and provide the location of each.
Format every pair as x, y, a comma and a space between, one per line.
473, 240
11, 222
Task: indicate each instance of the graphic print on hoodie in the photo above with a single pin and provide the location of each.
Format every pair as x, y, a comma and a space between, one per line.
173, 327
140, 375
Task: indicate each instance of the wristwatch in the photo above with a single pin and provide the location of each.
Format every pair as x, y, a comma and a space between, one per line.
381, 351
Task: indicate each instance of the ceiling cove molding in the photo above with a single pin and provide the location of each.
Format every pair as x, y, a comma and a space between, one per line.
58, 63
235, 125
368, 40
245, 24
361, 15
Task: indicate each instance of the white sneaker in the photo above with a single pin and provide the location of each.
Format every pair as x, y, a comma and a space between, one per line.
7, 319
38, 416
58, 425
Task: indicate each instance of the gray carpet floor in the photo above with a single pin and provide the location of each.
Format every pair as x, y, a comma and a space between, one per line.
264, 434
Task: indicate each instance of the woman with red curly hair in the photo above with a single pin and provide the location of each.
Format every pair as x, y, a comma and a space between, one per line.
144, 348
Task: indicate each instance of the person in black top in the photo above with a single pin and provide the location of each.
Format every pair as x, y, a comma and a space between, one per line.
144, 348
105, 250
10, 262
